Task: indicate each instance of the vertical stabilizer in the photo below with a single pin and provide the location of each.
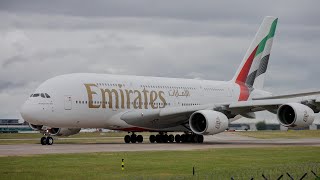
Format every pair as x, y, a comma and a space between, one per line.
251, 72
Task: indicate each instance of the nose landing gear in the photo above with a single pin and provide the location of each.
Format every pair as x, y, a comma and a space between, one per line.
46, 139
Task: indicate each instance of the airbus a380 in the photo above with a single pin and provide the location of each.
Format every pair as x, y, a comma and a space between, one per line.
64, 104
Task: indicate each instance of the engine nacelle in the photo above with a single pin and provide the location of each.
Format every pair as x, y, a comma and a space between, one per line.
295, 115
64, 131
36, 127
208, 122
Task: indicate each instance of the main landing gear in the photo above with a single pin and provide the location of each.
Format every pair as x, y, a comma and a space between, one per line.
133, 138
184, 138
165, 138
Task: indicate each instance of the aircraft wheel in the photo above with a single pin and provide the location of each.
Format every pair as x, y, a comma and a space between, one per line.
194, 138
152, 138
139, 138
171, 138
43, 141
158, 138
49, 141
165, 138
133, 138
183, 138
127, 139
177, 138
200, 139
189, 138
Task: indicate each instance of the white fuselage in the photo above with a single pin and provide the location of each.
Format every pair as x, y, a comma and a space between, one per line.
99, 100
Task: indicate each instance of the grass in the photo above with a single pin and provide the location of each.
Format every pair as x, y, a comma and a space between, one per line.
209, 164
291, 134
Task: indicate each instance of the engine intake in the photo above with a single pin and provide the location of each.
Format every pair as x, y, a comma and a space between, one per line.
208, 122
295, 115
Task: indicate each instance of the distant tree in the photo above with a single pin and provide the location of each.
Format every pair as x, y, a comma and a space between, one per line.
261, 125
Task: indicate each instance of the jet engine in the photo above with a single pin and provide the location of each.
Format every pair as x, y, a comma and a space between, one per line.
208, 122
295, 115
64, 131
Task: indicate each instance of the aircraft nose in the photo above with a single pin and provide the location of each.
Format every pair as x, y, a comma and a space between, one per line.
29, 113
25, 112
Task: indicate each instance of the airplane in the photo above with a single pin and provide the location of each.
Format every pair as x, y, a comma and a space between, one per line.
64, 104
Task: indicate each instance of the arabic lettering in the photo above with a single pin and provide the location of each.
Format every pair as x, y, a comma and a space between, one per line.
176, 93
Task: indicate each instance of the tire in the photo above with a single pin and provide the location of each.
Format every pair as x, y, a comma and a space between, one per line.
194, 138
183, 138
152, 138
133, 138
127, 139
43, 141
49, 141
158, 138
189, 138
139, 138
177, 138
200, 139
165, 138
171, 138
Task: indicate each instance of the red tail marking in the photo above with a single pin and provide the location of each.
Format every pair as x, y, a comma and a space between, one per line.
244, 92
242, 77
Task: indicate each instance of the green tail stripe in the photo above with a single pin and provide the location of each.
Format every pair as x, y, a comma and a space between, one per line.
262, 44
273, 28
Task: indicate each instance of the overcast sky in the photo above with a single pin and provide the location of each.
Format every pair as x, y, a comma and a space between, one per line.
185, 39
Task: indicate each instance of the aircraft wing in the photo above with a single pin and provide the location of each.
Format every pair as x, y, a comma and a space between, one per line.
293, 95
162, 118
173, 116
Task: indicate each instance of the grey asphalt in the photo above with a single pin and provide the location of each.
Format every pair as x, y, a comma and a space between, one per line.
223, 140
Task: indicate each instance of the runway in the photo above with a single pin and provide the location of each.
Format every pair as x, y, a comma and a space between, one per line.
223, 140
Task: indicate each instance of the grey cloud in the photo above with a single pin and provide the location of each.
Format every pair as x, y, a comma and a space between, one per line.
12, 60
7, 85
183, 39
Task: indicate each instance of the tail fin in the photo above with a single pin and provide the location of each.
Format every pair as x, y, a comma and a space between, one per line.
251, 72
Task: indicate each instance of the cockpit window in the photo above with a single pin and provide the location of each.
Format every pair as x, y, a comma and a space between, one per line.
47, 95
42, 95
36, 95
31, 95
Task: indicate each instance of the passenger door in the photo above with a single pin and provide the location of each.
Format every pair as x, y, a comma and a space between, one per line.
67, 103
